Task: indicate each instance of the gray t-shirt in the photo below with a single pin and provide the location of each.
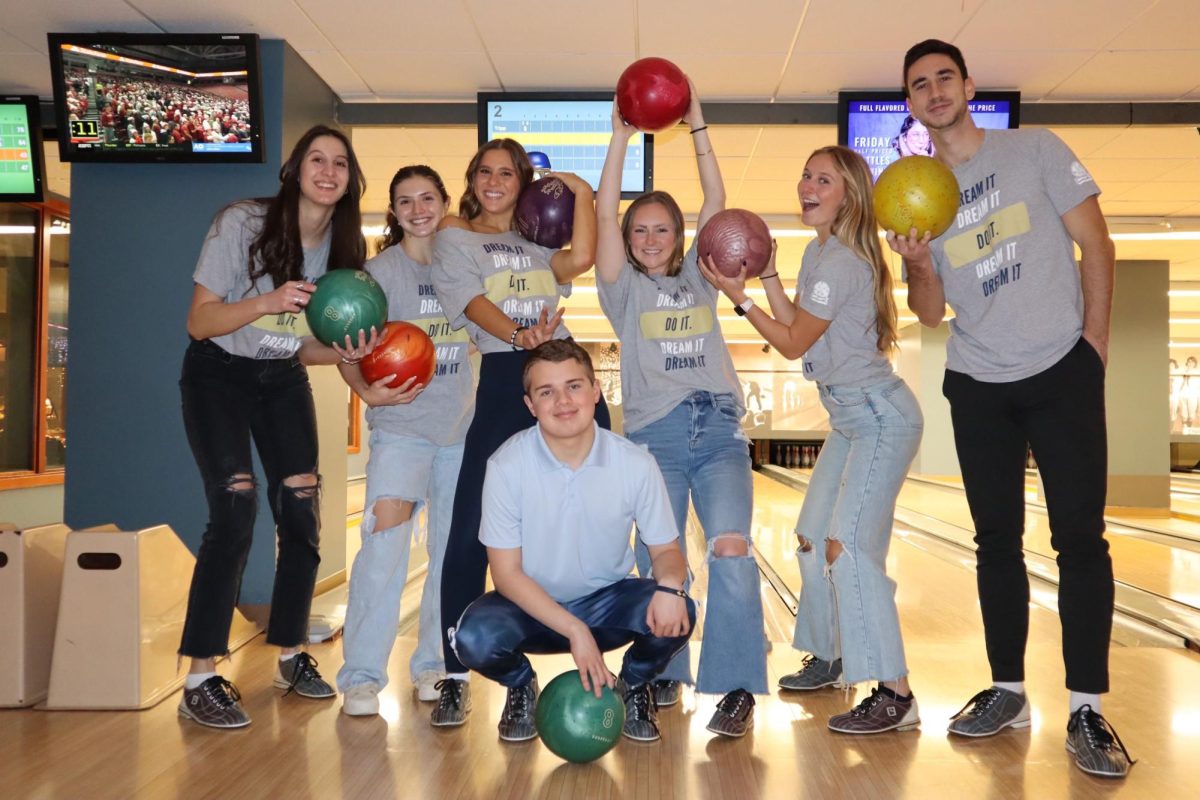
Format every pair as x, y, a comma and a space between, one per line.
513, 273
836, 285
1008, 263
441, 413
573, 525
224, 269
671, 342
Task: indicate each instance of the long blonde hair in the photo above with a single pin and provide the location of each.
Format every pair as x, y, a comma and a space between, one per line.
855, 227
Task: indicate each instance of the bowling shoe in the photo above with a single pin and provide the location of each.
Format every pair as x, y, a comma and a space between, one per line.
878, 712
299, 674
641, 715
990, 712
516, 721
814, 674
734, 715
666, 693
1091, 740
454, 703
215, 704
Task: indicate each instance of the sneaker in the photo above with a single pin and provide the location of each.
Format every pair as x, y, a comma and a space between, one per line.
361, 700
453, 705
815, 674
1090, 739
426, 685
990, 712
641, 715
299, 674
878, 712
214, 703
516, 721
734, 715
666, 693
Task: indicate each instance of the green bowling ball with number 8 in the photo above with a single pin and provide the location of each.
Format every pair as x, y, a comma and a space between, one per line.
576, 725
345, 302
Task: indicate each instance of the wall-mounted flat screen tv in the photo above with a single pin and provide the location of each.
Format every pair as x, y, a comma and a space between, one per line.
877, 125
157, 97
21, 168
573, 130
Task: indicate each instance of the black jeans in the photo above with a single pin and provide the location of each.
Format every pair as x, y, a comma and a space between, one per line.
500, 412
227, 400
1060, 413
495, 634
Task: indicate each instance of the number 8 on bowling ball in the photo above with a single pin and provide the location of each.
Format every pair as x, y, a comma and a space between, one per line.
403, 350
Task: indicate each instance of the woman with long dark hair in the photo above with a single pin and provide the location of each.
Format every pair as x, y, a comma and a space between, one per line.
416, 448
244, 380
504, 290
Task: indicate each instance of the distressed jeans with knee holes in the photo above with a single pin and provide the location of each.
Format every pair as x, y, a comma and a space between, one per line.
404, 468
227, 402
701, 449
847, 609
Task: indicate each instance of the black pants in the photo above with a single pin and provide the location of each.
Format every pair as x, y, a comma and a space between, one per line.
495, 634
1060, 413
227, 400
500, 412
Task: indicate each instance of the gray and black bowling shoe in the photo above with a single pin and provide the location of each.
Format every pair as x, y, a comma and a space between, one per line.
734, 715
814, 674
215, 703
516, 721
299, 674
666, 693
641, 714
453, 705
1095, 744
990, 712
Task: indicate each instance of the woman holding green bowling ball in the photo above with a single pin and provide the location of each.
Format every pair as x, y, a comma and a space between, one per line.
416, 448
244, 380
504, 290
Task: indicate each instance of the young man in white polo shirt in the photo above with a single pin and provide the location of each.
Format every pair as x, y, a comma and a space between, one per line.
559, 502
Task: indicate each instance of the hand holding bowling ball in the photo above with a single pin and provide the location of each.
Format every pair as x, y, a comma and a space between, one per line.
916, 192
733, 240
653, 94
345, 302
545, 212
576, 725
404, 350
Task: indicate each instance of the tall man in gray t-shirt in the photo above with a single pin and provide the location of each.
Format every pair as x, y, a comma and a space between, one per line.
1025, 367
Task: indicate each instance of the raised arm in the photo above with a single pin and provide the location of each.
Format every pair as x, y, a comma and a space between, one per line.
610, 244
576, 259
1097, 264
711, 184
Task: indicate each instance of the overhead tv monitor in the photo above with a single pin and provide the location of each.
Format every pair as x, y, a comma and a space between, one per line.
131, 97
573, 130
878, 127
21, 168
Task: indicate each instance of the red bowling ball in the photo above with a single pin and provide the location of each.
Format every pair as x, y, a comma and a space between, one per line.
653, 94
736, 238
404, 350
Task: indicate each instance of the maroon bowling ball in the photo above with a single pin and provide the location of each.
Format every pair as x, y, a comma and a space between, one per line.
653, 94
545, 213
736, 238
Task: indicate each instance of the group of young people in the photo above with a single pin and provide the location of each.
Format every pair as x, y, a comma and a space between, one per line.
519, 473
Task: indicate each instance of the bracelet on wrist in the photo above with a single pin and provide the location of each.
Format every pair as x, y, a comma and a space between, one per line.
512, 340
701, 128
772, 275
350, 361
671, 590
699, 154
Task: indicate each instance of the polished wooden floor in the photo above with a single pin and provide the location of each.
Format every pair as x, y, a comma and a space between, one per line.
299, 748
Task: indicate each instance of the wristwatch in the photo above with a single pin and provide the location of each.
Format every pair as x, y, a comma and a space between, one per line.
743, 308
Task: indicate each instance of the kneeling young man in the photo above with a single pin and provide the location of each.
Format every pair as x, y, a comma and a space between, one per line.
559, 502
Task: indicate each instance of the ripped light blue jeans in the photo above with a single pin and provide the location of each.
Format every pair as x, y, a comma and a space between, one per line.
701, 450
406, 468
848, 608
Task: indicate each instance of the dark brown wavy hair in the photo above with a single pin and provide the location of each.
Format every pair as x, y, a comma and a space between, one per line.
469, 206
393, 234
277, 250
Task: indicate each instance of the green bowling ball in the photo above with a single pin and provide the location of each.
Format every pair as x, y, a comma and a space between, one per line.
345, 302
576, 725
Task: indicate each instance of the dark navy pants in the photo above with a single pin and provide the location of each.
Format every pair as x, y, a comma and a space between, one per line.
494, 634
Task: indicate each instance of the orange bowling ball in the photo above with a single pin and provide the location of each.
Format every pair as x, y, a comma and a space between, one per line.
404, 350
916, 192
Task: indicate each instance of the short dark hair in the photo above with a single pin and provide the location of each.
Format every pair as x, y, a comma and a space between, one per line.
557, 351
931, 47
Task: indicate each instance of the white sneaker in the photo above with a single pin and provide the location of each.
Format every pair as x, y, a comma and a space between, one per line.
361, 700
426, 685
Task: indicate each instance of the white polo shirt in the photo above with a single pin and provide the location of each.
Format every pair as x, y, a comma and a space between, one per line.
573, 525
